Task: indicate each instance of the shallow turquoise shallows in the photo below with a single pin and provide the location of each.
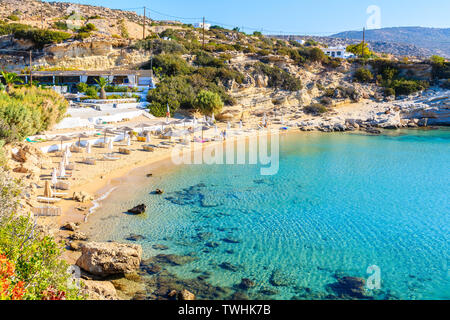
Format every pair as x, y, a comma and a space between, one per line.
339, 204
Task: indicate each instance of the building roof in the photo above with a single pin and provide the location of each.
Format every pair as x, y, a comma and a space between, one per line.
74, 73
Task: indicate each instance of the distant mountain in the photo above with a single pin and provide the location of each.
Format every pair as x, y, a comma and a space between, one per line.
436, 41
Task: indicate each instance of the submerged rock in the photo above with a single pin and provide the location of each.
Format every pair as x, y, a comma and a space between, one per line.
228, 266
159, 191
100, 290
185, 295
135, 237
140, 209
246, 284
231, 240
174, 260
350, 288
278, 279
160, 247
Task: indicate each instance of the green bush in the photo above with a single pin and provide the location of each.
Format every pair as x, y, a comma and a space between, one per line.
90, 27
315, 109
208, 102
159, 46
207, 60
61, 25
279, 78
36, 256
406, 87
40, 37
13, 17
29, 110
171, 65
92, 92
363, 75
388, 92
82, 87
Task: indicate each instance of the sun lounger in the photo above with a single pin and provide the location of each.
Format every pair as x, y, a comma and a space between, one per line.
59, 194
89, 161
100, 145
110, 157
141, 139
70, 167
76, 149
61, 185
46, 211
124, 151
148, 148
48, 200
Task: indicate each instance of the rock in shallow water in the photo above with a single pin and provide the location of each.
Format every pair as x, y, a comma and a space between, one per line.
140, 209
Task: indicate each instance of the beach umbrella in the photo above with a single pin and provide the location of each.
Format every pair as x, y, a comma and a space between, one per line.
65, 159
143, 125
125, 129
110, 145
88, 147
228, 125
240, 124
62, 169
47, 190
264, 120
147, 137
68, 153
204, 128
62, 139
128, 141
107, 131
81, 136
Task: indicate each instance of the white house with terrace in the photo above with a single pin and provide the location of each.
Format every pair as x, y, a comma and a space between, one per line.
338, 52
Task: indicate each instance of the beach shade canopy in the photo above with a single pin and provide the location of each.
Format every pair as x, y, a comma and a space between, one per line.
47, 190
107, 132
88, 147
143, 125
80, 136
125, 129
174, 134
62, 139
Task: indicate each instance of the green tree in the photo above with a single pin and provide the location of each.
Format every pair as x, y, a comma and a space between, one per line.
440, 61
102, 83
208, 102
357, 49
10, 78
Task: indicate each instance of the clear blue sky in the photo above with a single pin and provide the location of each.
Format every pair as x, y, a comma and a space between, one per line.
316, 17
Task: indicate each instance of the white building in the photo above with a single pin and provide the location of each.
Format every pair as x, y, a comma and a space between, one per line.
338, 52
200, 25
301, 41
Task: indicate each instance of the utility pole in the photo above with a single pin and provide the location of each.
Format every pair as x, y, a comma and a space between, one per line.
31, 68
143, 28
203, 33
364, 42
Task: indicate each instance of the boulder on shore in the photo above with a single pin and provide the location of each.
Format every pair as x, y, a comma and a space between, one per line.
100, 290
104, 259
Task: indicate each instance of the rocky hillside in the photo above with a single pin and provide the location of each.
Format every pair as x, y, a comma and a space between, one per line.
434, 40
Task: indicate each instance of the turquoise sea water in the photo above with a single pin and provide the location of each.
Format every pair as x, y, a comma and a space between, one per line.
339, 204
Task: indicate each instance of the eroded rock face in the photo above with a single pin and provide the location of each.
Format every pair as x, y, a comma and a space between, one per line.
105, 259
